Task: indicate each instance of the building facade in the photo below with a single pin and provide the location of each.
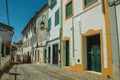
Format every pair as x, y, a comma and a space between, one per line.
54, 33
86, 40
6, 33
41, 33
18, 50
28, 35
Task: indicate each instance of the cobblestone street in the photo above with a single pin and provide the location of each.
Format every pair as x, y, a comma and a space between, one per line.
44, 72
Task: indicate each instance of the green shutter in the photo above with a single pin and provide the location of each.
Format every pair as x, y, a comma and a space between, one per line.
67, 53
69, 9
57, 17
49, 24
96, 58
87, 2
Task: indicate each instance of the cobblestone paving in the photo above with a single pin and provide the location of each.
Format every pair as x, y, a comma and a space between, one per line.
44, 72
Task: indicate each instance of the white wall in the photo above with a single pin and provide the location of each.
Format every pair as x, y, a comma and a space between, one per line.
84, 19
28, 48
55, 30
42, 33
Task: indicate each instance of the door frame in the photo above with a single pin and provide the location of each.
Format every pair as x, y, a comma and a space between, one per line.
44, 54
57, 53
63, 50
49, 54
84, 36
92, 64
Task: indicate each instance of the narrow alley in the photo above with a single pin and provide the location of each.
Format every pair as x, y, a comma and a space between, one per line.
44, 72
59, 40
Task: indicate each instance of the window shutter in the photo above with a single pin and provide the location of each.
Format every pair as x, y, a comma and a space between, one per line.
49, 24
86, 2
57, 17
69, 9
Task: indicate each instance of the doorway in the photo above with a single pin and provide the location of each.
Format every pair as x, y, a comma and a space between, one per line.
93, 53
45, 56
38, 55
55, 54
66, 53
49, 53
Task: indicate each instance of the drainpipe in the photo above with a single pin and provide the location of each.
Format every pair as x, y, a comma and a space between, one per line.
73, 36
61, 25
32, 29
47, 40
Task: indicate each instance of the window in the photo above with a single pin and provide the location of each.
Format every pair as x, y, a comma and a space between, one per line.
57, 17
49, 24
2, 49
87, 2
69, 9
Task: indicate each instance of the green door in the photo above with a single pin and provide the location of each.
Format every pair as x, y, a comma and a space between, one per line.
96, 58
49, 54
93, 53
45, 56
67, 53
55, 54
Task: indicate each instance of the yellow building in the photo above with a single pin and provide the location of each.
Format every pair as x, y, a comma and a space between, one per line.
86, 40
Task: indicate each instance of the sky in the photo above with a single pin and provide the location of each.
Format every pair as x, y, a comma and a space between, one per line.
20, 13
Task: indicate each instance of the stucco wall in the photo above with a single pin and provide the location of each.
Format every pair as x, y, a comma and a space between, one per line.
55, 30
42, 34
51, 53
84, 20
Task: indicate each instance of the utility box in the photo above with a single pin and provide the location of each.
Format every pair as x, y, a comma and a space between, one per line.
73, 61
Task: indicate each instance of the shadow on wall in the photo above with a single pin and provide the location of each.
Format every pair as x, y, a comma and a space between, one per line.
7, 71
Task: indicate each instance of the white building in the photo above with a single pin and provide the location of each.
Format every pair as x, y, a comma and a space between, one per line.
86, 37
54, 27
6, 33
28, 35
18, 51
41, 34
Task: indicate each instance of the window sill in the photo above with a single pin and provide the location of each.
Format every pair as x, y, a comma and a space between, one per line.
89, 5
68, 17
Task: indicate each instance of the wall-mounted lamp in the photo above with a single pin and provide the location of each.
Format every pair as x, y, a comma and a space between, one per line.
42, 25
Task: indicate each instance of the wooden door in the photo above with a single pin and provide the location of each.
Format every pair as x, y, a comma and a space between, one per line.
93, 53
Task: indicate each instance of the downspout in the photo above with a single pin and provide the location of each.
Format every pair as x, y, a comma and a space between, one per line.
32, 29
73, 37
61, 25
47, 31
